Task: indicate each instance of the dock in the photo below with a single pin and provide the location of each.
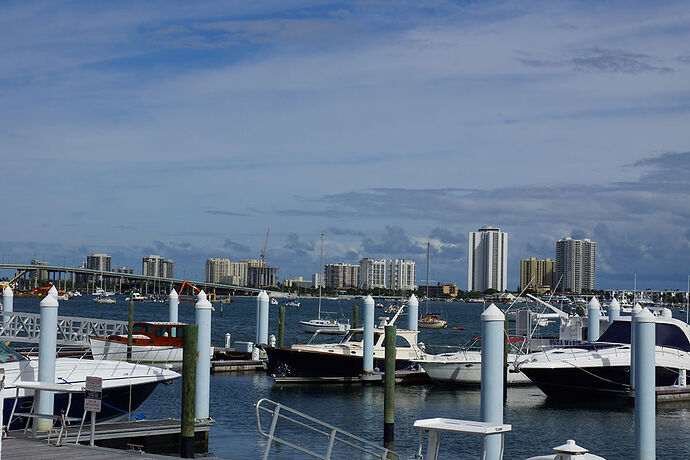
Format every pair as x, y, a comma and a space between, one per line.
236, 365
402, 377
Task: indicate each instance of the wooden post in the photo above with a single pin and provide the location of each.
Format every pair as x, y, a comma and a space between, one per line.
188, 390
355, 316
389, 390
130, 326
281, 325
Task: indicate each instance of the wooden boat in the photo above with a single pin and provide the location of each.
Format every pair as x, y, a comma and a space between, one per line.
152, 343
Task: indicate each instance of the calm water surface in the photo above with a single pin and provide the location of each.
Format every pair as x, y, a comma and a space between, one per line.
605, 428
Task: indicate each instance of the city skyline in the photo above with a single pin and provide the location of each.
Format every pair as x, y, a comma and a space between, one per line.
188, 131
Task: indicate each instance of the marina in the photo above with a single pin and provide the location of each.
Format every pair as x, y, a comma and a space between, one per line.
358, 408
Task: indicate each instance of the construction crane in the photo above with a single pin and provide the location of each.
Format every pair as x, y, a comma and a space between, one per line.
263, 253
4, 285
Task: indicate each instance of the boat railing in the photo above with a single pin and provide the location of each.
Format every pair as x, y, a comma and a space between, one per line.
334, 437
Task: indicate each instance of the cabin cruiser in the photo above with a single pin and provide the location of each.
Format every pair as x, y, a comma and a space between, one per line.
153, 342
342, 359
125, 385
603, 367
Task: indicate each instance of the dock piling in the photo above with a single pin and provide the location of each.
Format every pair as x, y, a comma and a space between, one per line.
633, 349
412, 313
188, 390
262, 318
368, 358
7, 302
645, 386
130, 326
355, 316
281, 325
173, 306
203, 364
389, 390
47, 348
614, 310
492, 377
593, 317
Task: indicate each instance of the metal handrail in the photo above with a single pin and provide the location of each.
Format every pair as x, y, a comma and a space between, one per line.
331, 433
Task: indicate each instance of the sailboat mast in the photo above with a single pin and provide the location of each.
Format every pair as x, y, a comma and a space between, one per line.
427, 276
320, 271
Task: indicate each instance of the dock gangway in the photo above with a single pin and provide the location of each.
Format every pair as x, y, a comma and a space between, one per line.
72, 330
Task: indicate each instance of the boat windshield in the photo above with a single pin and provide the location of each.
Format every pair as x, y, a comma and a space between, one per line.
139, 328
8, 355
667, 335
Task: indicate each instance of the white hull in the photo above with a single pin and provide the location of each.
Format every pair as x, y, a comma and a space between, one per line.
325, 326
465, 368
150, 354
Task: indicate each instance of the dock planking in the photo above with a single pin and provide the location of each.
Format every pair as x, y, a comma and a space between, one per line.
17, 448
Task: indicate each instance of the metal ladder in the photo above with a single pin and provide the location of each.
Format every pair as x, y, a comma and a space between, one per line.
334, 437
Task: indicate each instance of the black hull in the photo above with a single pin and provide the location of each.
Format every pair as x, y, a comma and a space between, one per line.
288, 362
600, 381
115, 403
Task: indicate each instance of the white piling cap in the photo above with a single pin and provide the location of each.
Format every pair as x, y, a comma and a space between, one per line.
492, 313
173, 294
636, 309
412, 301
50, 300
53, 291
7, 292
644, 316
263, 296
594, 304
614, 305
369, 299
202, 302
570, 448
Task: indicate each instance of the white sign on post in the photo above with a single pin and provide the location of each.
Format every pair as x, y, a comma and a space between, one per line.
94, 392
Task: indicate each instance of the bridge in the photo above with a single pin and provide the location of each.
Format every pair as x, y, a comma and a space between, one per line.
72, 330
59, 276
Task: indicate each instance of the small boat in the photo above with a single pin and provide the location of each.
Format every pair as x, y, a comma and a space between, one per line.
274, 301
471, 300
100, 291
104, 299
135, 297
152, 343
431, 321
125, 385
379, 305
292, 303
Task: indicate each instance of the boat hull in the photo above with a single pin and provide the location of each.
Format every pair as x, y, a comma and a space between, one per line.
146, 354
466, 369
288, 362
325, 328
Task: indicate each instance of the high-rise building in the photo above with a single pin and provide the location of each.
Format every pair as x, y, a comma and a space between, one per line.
402, 275
342, 275
217, 270
576, 265
38, 275
372, 273
154, 265
262, 276
539, 274
487, 260
100, 262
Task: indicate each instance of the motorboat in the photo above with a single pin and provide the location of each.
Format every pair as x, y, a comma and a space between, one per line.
104, 299
135, 297
464, 367
325, 326
342, 359
153, 342
102, 292
292, 303
430, 321
274, 301
603, 367
125, 385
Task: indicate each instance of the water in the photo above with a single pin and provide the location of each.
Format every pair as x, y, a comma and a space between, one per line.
606, 429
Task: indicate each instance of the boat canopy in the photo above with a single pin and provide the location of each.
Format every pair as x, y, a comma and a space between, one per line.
667, 335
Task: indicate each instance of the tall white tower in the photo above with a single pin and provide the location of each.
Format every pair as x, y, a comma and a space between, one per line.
487, 260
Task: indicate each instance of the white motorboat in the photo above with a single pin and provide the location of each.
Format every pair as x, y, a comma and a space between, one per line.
135, 297
603, 367
104, 299
125, 385
274, 301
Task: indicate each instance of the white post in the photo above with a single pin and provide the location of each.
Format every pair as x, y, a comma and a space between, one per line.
493, 321
203, 364
645, 386
227, 340
7, 303
614, 310
633, 349
368, 358
412, 313
47, 348
262, 319
593, 317
173, 304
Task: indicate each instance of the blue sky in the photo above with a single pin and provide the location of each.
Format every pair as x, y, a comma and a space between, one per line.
187, 130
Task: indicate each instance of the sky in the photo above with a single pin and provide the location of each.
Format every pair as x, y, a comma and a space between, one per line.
189, 129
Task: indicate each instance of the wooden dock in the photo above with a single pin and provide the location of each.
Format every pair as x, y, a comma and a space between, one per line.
20, 448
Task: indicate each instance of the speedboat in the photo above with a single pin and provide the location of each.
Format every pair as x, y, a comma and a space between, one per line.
135, 297
104, 299
152, 343
292, 303
603, 367
464, 367
125, 385
342, 359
